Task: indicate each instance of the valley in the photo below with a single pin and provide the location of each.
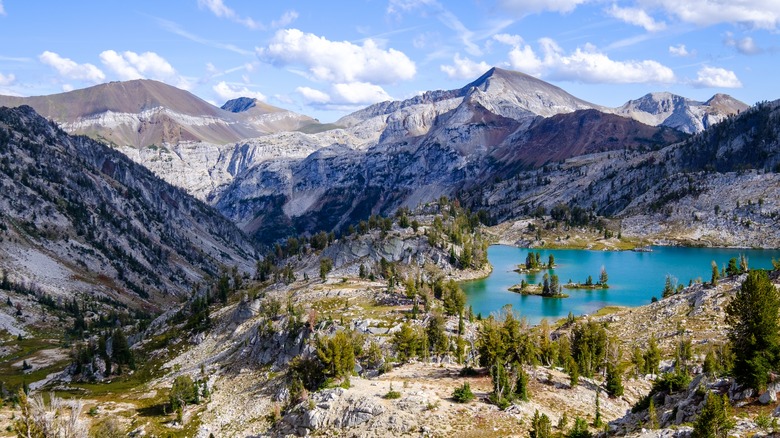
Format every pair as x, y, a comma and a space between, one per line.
171, 268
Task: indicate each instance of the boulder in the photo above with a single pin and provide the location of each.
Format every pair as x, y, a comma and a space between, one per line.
769, 396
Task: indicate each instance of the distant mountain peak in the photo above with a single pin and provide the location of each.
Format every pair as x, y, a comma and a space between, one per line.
239, 104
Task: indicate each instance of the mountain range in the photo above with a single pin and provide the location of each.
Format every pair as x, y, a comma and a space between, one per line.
275, 173
142, 113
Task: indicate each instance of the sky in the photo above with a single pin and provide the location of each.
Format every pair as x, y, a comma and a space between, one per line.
328, 58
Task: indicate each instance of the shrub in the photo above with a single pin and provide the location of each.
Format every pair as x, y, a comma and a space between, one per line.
463, 394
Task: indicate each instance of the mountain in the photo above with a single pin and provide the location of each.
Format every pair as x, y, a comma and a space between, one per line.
78, 216
141, 113
680, 113
720, 187
297, 175
403, 153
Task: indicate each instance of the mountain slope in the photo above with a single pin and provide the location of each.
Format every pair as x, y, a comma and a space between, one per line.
582, 132
142, 113
720, 187
78, 216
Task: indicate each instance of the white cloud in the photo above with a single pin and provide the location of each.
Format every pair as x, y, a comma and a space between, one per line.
716, 77
286, 18
345, 95
359, 93
745, 46
8, 79
69, 69
636, 17
226, 92
464, 68
509, 40
2, 8
313, 96
679, 50
522, 8
218, 8
586, 64
338, 61
67, 87
130, 65
762, 14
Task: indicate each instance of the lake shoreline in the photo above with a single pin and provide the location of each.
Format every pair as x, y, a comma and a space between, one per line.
634, 277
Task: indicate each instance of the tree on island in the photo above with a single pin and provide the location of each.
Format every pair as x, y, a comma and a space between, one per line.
551, 261
603, 278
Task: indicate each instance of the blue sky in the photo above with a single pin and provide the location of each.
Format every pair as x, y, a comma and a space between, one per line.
326, 59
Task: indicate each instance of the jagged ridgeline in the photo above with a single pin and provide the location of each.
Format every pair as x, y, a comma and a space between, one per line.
77, 216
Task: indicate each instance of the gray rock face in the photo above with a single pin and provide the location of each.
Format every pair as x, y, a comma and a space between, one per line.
678, 112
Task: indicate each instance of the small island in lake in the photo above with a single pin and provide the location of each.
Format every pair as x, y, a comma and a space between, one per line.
533, 263
589, 284
549, 288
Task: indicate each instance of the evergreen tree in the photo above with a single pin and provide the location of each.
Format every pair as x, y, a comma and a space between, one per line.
574, 372
715, 274
614, 383
732, 268
521, 387
652, 356
223, 287
406, 342
638, 360
579, 430
182, 392
541, 426
669, 286
555, 287
652, 415
121, 350
326, 265
337, 354
437, 338
603, 277
754, 329
550, 264
714, 419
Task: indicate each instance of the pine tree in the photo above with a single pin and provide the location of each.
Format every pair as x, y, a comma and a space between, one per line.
652, 420
715, 274
732, 268
574, 372
713, 420
337, 354
652, 356
541, 426
579, 430
614, 384
755, 331
603, 278
521, 387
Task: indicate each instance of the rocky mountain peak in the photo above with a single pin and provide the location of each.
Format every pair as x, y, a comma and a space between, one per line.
687, 115
239, 104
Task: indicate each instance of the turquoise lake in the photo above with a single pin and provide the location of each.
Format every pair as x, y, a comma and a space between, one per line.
634, 277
